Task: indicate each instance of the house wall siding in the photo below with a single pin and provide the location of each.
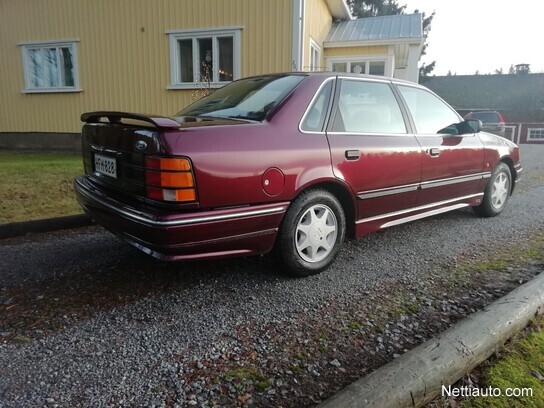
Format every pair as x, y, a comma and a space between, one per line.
123, 53
317, 24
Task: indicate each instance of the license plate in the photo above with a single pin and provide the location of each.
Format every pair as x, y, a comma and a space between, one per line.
105, 165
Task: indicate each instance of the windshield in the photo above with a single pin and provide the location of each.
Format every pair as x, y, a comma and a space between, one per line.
250, 98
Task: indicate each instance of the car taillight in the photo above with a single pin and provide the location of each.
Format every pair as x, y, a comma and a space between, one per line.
169, 179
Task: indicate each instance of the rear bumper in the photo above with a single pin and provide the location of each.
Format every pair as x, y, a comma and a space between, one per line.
184, 236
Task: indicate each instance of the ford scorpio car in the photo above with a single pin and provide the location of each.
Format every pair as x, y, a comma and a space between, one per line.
294, 162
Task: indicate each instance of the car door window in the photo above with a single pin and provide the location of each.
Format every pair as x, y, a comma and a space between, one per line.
314, 119
431, 115
367, 107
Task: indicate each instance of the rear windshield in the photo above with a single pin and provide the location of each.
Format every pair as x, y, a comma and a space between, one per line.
486, 117
250, 98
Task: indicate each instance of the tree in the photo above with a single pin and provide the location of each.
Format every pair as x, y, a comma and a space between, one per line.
511, 70
374, 8
425, 70
426, 29
205, 84
499, 71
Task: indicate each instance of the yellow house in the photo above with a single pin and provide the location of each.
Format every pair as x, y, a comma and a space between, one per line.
64, 57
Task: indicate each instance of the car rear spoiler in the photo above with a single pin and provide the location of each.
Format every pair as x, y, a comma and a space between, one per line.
117, 118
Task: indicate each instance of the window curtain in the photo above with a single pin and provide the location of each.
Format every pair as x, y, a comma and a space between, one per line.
186, 60
67, 67
226, 66
51, 73
36, 68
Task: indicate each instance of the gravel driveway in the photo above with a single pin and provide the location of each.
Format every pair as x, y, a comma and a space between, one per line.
88, 321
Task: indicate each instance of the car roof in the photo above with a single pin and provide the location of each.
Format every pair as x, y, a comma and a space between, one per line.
328, 74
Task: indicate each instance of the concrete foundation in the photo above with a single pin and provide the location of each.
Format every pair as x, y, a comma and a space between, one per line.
40, 141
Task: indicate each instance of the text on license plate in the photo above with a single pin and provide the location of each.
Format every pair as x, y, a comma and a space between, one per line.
105, 165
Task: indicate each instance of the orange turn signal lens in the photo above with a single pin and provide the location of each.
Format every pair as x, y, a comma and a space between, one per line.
167, 164
185, 195
171, 195
169, 179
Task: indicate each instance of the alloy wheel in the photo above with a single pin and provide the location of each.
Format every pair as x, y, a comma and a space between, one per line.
316, 233
501, 187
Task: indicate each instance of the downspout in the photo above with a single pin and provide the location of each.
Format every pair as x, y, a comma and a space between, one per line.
298, 31
412, 69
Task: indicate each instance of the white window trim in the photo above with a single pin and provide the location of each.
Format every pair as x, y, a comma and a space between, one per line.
314, 46
45, 44
387, 58
176, 35
536, 139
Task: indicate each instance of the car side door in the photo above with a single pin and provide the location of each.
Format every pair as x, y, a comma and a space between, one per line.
373, 151
452, 163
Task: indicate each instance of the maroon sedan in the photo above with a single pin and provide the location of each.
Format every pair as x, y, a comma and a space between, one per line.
291, 161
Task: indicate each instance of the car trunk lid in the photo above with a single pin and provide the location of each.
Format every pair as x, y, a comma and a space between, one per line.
130, 155
122, 155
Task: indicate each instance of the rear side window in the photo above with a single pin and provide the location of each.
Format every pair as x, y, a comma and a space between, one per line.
431, 115
314, 120
367, 107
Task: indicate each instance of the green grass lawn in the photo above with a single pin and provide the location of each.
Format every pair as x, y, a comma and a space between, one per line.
523, 356
35, 185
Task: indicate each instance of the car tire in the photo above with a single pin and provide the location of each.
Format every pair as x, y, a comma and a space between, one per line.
311, 233
496, 193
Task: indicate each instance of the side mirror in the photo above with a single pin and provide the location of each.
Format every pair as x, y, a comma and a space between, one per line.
475, 125
468, 127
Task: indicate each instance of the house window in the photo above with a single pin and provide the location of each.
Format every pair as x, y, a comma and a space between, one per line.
340, 67
535, 134
315, 56
359, 66
376, 67
206, 56
50, 67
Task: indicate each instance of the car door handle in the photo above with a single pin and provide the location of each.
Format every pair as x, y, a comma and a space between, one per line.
353, 154
434, 152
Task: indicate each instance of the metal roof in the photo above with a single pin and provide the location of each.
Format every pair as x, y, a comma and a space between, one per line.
396, 27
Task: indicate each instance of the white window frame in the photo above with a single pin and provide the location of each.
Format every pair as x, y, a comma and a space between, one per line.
194, 35
315, 56
25, 47
538, 139
367, 59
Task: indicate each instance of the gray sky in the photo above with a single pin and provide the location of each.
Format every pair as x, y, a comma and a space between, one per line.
483, 35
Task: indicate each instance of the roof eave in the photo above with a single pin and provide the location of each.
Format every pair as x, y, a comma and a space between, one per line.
363, 43
339, 9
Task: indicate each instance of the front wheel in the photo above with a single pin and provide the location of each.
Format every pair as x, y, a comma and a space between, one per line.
311, 233
496, 192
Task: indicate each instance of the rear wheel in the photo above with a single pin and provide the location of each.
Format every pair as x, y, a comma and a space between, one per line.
496, 192
311, 233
